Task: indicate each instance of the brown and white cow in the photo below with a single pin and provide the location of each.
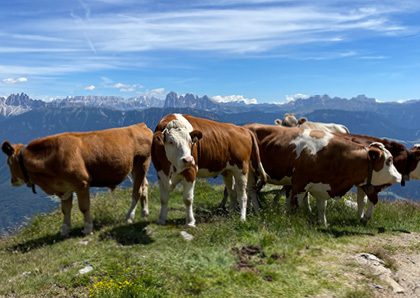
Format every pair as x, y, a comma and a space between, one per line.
74, 161
186, 147
406, 161
320, 163
289, 120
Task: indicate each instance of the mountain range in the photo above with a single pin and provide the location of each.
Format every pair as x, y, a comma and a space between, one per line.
23, 119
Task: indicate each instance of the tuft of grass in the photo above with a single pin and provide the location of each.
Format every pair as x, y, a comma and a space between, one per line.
273, 254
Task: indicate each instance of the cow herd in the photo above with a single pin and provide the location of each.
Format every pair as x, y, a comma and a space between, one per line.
322, 159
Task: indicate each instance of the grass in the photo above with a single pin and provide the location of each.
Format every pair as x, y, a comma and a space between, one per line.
271, 255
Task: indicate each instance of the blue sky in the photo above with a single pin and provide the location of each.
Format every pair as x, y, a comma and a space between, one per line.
257, 50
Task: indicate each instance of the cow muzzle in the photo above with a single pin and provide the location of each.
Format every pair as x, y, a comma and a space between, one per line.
17, 182
188, 162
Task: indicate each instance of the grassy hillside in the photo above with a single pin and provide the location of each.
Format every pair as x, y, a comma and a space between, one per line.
272, 255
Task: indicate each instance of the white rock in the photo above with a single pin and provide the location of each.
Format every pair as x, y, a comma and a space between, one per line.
85, 270
186, 236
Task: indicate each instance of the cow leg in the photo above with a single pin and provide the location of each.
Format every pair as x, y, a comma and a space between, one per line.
165, 188
252, 193
322, 205
304, 201
369, 212
164, 199
140, 191
240, 188
84, 206
188, 197
229, 188
66, 206
361, 203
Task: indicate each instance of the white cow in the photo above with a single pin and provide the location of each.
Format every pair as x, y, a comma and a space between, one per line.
289, 120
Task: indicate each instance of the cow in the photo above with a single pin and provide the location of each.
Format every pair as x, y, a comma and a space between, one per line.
318, 162
75, 161
185, 147
406, 161
289, 120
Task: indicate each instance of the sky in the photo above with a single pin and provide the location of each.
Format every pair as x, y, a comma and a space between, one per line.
260, 51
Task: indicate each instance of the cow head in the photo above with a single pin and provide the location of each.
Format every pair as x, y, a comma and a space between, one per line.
178, 142
289, 120
13, 162
383, 169
415, 174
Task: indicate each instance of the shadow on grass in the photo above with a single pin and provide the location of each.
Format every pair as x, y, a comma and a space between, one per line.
341, 232
37, 243
127, 235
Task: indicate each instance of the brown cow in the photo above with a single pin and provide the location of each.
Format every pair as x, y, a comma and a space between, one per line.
289, 120
406, 161
74, 161
185, 147
320, 163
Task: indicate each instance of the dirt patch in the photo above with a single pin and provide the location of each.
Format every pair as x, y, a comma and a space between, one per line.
251, 255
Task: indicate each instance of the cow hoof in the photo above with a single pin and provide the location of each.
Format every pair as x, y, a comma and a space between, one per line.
364, 221
190, 226
64, 235
144, 214
161, 222
130, 221
65, 231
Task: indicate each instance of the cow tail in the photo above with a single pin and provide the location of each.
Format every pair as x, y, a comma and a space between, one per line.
256, 162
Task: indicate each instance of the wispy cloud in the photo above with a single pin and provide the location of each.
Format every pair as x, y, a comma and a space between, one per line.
227, 29
90, 88
15, 81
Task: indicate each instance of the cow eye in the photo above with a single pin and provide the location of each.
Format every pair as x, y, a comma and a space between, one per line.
171, 143
389, 162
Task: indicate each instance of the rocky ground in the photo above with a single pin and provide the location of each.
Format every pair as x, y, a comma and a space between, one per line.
390, 265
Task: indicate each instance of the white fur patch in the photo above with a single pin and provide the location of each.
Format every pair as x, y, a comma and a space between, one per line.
319, 190
388, 174
304, 140
184, 121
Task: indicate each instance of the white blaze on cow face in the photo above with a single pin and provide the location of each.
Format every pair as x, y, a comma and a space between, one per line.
304, 140
178, 148
178, 143
388, 174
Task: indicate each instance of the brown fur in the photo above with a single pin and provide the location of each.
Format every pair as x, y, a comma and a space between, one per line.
218, 145
222, 143
398, 151
341, 164
75, 161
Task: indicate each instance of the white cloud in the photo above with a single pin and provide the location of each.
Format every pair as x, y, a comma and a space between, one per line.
130, 89
124, 87
158, 93
119, 85
290, 98
15, 81
234, 98
91, 88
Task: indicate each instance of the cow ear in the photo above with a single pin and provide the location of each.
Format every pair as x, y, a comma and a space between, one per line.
7, 148
374, 153
159, 138
196, 135
416, 153
302, 120
278, 122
